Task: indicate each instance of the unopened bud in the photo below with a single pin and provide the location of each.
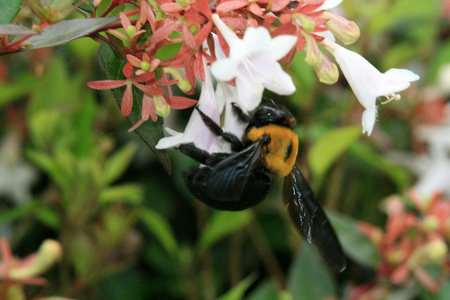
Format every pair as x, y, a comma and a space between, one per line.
48, 254
194, 29
327, 72
343, 29
183, 2
395, 257
430, 223
145, 66
307, 23
313, 53
437, 250
131, 31
182, 83
161, 107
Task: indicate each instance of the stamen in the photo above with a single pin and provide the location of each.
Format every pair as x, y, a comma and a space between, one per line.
391, 97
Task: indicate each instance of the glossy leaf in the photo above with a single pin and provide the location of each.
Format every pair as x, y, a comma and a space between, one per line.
9, 10
221, 224
309, 278
66, 31
150, 132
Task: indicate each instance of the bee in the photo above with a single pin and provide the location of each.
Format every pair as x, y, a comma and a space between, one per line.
242, 179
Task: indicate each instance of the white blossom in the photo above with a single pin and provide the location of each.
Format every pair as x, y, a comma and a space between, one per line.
253, 61
196, 131
368, 83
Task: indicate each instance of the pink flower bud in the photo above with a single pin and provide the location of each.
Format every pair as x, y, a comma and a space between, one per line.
345, 30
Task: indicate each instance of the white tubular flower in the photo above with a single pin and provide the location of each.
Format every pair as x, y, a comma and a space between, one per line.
196, 131
368, 83
254, 63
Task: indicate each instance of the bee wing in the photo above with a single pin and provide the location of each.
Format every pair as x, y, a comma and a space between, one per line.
230, 175
310, 219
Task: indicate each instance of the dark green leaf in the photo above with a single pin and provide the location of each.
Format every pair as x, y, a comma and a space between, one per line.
237, 292
161, 229
66, 31
9, 10
150, 132
309, 278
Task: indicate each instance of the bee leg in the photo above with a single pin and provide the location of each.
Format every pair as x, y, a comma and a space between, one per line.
202, 156
236, 144
195, 153
243, 117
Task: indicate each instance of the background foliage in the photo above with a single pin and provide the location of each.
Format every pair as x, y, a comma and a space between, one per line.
70, 171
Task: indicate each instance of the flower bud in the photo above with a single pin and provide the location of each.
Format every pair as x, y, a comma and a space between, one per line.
145, 66
182, 83
327, 72
431, 223
131, 31
345, 30
437, 250
161, 107
313, 53
306, 22
48, 254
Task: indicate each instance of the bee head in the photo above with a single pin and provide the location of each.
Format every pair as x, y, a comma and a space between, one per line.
265, 115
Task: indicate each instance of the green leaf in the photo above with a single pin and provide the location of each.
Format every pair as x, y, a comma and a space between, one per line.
15, 29
238, 291
49, 217
9, 10
329, 147
12, 91
118, 163
221, 224
397, 174
127, 193
150, 132
160, 229
66, 31
264, 291
355, 243
309, 278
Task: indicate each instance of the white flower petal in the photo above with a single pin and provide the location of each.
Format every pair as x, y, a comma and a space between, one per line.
225, 69
249, 90
368, 120
253, 62
329, 4
196, 130
401, 74
280, 45
367, 82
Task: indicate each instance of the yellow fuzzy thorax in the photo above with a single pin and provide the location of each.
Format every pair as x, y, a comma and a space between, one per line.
280, 154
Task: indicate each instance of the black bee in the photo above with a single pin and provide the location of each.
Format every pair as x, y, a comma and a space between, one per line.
239, 180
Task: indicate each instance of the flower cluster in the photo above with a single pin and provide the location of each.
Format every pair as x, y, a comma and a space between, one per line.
242, 43
416, 237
